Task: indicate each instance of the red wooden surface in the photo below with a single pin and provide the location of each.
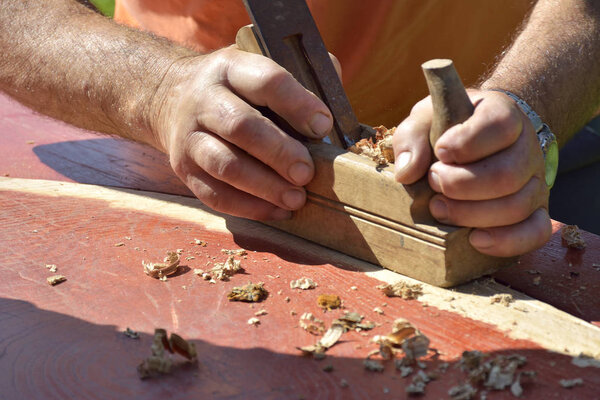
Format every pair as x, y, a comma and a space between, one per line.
66, 341
60, 152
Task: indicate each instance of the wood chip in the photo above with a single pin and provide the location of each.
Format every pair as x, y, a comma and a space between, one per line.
159, 362
379, 150
571, 383
502, 298
373, 365
199, 242
303, 283
162, 270
571, 236
52, 267
221, 271
311, 324
55, 279
131, 333
236, 252
254, 321
330, 338
462, 392
261, 312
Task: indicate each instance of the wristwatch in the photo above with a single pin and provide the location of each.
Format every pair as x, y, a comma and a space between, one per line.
547, 139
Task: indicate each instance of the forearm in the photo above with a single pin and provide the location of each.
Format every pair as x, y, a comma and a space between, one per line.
63, 60
553, 64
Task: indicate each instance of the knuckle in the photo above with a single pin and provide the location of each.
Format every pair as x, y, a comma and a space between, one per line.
228, 169
506, 121
236, 125
276, 80
422, 106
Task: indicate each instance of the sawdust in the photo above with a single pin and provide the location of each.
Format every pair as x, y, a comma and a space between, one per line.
162, 270
303, 283
312, 324
407, 291
249, 293
380, 150
502, 298
329, 301
160, 363
55, 279
571, 236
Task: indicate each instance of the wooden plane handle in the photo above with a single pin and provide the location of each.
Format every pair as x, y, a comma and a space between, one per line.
451, 104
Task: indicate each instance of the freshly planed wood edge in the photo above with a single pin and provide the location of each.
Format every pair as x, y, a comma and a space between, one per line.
539, 322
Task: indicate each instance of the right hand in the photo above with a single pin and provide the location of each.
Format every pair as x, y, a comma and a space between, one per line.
231, 157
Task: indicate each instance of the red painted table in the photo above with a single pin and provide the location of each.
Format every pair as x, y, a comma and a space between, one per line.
66, 341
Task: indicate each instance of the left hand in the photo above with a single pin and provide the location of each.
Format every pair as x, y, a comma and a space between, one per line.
490, 173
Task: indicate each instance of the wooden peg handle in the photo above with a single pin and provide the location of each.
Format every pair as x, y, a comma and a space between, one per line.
451, 104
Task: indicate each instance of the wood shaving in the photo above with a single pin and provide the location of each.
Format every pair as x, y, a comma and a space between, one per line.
583, 361
235, 252
407, 291
131, 333
261, 312
462, 392
162, 270
199, 242
303, 283
311, 324
160, 362
254, 321
353, 321
405, 337
329, 301
221, 271
55, 279
373, 365
330, 338
120, 244
378, 310
404, 370
502, 298
571, 383
52, 267
380, 150
571, 236
249, 293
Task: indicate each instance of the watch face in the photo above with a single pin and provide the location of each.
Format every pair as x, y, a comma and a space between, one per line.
551, 163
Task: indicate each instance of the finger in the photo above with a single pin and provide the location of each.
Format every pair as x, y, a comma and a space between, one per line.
225, 162
411, 144
502, 211
495, 125
235, 121
513, 240
224, 198
263, 82
499, 175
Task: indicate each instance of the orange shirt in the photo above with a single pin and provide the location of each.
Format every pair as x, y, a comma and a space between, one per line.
380, 44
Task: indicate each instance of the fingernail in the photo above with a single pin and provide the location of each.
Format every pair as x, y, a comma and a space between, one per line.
402, 161
320, 124
293, 198
280, 214
435, 180
481, 239
300, 173
439, 209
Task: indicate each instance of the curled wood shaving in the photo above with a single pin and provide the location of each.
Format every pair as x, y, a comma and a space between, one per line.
571, 235
329, 301
303, 283
55, 279
311, 324
405, 337
407, 291
380, 150
353, 320
162, 270
252, 292
330, 338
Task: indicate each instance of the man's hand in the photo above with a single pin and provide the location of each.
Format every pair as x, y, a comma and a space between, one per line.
490, 173
232, 158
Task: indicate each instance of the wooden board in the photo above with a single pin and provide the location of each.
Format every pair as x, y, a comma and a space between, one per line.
66, 341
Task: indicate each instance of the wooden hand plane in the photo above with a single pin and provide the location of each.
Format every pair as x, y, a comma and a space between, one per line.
353, 205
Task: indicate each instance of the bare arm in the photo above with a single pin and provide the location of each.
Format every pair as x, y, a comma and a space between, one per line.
490, 173
554, 64
63, 60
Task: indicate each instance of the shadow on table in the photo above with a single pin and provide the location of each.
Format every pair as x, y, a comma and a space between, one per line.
49, 355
